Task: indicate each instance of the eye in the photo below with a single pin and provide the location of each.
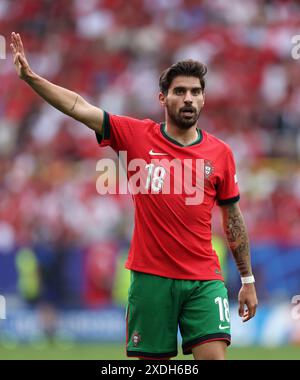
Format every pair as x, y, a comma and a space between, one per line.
196, 91
179, 91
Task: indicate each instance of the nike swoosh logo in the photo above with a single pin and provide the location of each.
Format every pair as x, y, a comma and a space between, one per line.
223, 327
156, 153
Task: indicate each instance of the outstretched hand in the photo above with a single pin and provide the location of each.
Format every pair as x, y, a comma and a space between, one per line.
20, 61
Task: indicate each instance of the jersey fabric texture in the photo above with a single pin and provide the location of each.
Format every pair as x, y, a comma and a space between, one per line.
172, 238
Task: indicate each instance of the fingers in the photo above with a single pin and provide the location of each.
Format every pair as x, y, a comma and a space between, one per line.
14, 42
241, 308
17, 42
247, 297
17, 48
252, 310
13, 48
21, 59
16, 58
20, 43
246, 316
249, 313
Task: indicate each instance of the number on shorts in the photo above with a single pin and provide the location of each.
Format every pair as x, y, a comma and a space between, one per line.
223, 308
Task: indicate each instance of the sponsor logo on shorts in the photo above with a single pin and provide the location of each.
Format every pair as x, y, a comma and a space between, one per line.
136, 338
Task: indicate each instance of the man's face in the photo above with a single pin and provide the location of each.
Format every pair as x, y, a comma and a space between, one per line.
183, 101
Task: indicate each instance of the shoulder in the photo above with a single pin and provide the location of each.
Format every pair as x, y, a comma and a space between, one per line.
217, 143
130, 121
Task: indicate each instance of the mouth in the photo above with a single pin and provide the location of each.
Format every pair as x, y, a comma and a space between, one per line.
188, 112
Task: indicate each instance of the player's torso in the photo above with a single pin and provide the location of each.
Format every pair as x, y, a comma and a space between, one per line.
162, 169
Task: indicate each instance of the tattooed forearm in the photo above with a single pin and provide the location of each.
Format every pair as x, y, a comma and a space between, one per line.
237, 237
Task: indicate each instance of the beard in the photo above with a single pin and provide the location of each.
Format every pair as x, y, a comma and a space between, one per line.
185, 118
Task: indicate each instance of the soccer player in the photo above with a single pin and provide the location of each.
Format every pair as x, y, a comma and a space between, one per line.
176, 277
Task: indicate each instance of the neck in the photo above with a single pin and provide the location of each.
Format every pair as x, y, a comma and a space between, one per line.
183, 136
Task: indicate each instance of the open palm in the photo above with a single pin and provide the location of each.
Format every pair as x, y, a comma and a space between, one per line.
20, 61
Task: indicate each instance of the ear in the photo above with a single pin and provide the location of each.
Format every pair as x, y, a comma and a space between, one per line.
203, 99
162, 99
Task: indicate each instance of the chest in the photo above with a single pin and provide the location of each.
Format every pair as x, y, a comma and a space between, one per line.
157, 166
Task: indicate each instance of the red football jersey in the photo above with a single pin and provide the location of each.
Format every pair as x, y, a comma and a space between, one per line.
174, 189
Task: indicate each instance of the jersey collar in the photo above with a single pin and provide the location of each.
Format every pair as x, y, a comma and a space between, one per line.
168, 137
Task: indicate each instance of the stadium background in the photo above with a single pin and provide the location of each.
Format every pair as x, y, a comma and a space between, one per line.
62, 246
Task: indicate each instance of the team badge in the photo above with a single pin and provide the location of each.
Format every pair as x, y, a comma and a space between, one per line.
136, 338
208, 169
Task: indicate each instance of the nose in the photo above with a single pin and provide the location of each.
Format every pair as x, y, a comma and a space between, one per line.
188, 97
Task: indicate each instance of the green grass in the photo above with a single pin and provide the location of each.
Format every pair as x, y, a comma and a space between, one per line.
116, 351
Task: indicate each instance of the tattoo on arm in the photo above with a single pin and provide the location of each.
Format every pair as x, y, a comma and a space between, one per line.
237, 237
72, 109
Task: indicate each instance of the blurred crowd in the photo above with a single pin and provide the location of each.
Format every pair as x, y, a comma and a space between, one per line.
112, 53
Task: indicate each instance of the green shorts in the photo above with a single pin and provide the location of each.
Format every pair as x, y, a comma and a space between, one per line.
158, 305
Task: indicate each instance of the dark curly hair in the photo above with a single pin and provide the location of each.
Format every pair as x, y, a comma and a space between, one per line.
189, 68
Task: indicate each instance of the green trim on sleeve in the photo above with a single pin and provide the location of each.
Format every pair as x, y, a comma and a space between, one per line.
105, 129
223, 202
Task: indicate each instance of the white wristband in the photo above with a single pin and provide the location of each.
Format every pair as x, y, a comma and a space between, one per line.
248, 280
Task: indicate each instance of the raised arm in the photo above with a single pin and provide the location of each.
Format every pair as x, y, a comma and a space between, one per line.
238, 241
64, 100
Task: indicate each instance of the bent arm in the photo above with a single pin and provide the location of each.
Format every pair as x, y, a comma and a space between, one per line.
64, 100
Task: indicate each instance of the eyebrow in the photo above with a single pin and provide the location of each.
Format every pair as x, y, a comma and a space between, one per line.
187, 88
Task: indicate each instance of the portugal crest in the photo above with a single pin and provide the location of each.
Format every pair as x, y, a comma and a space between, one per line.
136, 338
208, 169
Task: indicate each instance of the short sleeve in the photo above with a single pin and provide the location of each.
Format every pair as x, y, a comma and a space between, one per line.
104, 138
118, 132
228, 190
